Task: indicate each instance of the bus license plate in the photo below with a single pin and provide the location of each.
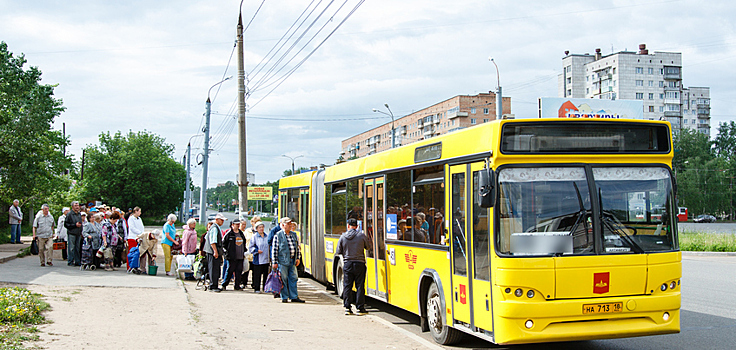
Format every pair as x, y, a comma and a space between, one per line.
604, 308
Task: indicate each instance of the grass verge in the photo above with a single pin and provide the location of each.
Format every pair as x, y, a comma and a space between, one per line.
20, 311
707, 242
24, 252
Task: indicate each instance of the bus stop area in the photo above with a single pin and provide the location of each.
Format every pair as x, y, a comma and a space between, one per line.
93, 309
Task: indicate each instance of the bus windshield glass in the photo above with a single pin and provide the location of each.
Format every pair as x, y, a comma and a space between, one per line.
550, 211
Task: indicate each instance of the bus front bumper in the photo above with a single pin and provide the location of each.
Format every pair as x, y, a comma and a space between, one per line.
519, 322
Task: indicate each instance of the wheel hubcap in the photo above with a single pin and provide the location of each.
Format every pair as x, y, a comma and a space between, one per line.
434, 317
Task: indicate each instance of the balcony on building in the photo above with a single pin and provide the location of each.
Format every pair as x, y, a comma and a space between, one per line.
402, 130
455, 112
672, 113
672, 73
420, 123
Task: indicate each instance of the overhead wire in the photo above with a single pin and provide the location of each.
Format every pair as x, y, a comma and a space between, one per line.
311, 53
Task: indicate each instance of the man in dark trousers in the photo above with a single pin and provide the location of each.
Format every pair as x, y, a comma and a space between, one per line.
214, 250
351, 246
73, 224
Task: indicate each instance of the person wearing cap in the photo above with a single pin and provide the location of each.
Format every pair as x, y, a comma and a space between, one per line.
213, 248
249, 232
43, 230
235, 248
61, 230
351, 246
259, 248
286, 257
73, 224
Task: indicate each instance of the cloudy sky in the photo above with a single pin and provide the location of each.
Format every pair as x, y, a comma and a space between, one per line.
148, 65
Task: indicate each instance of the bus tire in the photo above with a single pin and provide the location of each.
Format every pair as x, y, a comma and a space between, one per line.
441, 333
339, 276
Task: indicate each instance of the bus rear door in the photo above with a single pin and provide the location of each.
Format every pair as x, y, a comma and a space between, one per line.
376, 275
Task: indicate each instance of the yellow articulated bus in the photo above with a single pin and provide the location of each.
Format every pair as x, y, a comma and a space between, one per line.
514, 231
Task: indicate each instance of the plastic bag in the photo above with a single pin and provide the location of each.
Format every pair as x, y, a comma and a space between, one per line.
185, 263
273, 283
34, 246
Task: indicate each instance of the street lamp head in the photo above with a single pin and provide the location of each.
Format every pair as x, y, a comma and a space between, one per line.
490, 58
386, 104
375, 110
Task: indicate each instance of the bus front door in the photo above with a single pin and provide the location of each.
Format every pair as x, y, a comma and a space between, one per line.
376, 274
461, 286
305, 238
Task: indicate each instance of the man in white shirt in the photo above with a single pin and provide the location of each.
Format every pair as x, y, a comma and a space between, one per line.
135, 228
43, 230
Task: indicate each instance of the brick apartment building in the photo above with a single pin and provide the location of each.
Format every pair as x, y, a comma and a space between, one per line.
456, 113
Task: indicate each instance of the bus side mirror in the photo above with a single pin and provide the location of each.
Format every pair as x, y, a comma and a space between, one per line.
487, 190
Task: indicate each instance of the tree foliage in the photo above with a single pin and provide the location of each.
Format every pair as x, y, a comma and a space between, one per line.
32, 162
705, 171
136, 169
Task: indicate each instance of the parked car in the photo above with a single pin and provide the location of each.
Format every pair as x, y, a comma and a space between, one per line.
704, 218
211, 217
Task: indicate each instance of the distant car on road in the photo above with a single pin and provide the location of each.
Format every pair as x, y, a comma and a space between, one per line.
704, 218
211, 217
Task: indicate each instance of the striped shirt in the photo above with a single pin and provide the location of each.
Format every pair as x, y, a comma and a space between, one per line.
294, 251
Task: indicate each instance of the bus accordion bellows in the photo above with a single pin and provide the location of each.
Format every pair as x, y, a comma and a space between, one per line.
514, 231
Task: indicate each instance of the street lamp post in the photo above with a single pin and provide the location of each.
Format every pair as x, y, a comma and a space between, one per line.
292, 162
393, 129
499, 97
203, 191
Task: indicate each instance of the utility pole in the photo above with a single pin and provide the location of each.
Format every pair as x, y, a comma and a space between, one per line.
203, 190
242, 160
499, 96
206, 157
182, 216
188, 191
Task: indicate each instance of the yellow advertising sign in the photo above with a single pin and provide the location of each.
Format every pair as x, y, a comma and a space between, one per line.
259, 193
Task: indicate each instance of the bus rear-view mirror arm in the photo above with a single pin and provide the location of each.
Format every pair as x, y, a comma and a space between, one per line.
487, 188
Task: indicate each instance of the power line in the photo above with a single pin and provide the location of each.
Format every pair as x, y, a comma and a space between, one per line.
254, 116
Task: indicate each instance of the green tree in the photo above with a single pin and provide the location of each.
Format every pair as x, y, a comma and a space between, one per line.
32, 162
300, 170
691, 145
136, 169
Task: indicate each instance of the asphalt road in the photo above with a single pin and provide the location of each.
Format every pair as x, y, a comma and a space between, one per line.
717, 227
708, 317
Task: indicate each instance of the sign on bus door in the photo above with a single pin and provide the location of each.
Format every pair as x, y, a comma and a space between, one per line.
376, 274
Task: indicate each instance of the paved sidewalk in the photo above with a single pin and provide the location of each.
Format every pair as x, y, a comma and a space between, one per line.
10, 251
161, 312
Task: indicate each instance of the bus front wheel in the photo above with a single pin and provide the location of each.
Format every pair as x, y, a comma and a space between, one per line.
440, 331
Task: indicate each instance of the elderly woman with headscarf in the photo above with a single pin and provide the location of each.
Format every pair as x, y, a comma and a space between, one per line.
168, 241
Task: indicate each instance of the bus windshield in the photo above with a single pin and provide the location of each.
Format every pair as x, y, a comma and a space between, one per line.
550, 211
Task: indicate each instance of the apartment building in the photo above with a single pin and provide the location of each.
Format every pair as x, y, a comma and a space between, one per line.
654, 78
453, 114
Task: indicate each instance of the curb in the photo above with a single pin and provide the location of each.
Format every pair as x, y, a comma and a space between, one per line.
8, 258
721, 254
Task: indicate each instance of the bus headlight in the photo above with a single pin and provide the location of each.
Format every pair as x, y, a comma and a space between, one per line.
663, 287
530, 294
673, 285
518, 292
529, 324
666, 316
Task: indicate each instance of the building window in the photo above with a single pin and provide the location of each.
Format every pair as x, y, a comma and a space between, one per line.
661, 71
569, 80
639, 70
472, 110
614, 70
587, 78
673, 107
651, 83
472, 121
661, 84
661, 109
639, 95
587, 91
485, 110
672, 95
651, 97
640, 83
651, 108
684, 121
614, 83
661, 96
485, 120
672, 84
650, 70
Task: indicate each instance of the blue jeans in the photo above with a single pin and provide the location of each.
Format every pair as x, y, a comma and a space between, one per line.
288, 278
15, 233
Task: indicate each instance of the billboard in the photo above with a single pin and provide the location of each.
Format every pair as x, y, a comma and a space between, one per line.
554, 107
263, 193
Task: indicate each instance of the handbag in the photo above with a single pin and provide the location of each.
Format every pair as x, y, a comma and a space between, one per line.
34, 246
273, 282
185, 263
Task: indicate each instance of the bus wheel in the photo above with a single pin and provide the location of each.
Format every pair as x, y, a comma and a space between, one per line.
440, 331
339, 276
